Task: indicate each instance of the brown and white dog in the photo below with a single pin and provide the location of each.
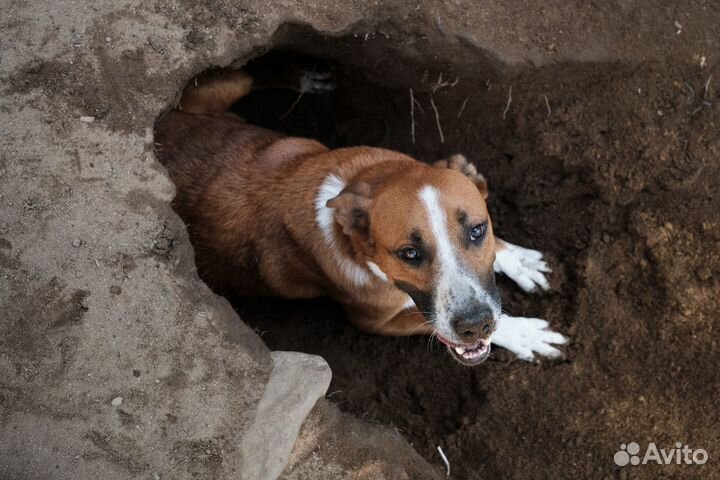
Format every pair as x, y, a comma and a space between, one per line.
407, 248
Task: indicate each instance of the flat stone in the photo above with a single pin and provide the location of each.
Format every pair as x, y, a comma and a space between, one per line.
296, 383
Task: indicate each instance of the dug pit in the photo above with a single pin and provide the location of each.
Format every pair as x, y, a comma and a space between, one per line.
585, 162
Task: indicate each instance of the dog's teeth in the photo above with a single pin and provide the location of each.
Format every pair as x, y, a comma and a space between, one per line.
459, 350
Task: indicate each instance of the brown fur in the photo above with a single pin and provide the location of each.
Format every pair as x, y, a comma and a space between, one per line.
248, 197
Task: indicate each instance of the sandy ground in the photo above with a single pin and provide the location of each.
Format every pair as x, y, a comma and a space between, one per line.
117, 362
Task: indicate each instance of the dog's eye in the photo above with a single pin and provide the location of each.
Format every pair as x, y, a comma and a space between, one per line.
478, 232
409, 254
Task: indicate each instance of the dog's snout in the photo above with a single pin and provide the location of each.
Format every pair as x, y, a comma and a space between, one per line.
474, 323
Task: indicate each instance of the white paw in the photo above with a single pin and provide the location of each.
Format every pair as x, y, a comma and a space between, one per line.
524, 266
526, 336
316, 82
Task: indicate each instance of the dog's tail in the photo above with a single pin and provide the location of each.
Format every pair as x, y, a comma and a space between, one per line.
215, 91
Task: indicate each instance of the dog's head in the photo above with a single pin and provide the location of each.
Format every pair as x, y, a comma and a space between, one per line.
427, 231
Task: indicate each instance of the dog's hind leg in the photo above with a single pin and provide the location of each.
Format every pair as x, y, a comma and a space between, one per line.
215, 91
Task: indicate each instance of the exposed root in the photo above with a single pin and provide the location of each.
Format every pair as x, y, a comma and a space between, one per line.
509, 102
445, 459
547, 105
437, 119
412, 116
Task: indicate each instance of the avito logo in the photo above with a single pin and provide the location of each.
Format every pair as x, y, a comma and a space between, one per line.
680, 455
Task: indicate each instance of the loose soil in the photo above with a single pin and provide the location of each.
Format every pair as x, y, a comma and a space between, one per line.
611, 170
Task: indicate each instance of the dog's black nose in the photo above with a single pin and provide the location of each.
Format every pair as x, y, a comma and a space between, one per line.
474, 323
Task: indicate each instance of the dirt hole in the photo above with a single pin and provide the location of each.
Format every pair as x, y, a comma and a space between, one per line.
571, 166
407, 383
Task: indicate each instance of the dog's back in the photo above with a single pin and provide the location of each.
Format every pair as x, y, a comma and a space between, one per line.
194, 148
228, 176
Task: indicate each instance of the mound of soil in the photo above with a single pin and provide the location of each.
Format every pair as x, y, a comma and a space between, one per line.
609, 169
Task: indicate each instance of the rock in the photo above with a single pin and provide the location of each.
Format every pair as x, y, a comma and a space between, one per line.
116, 402
335, 445
703, 273
76, 242
87, 119
115, 290
296, 382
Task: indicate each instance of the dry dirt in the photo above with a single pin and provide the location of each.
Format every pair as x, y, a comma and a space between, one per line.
606, 159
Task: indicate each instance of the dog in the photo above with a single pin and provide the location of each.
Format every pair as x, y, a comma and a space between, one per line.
407, 248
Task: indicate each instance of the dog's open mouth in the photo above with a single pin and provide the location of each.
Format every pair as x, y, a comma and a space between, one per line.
469, 355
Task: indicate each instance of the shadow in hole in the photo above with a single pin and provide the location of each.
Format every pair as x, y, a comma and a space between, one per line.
355, 113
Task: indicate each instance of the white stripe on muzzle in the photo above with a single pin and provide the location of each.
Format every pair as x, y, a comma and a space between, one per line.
452, 278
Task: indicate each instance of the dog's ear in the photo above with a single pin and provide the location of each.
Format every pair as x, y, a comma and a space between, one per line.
352, 207
481, 185
460, 163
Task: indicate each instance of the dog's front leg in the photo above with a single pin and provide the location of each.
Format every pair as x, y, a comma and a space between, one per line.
524, 266
527, 336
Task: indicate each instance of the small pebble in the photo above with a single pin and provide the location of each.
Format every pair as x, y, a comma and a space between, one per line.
116, 402
87, 119
76, 242
162, 244
155, 476
703, 273
115, 290
108, 39
606, 237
